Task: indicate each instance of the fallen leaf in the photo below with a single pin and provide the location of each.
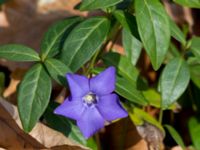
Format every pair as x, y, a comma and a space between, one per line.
123, 135
15, 77
12, 137
40, 137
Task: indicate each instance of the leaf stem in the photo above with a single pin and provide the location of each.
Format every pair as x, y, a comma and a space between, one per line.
92, 63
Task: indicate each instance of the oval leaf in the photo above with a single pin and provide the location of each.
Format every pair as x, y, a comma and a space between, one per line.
123, 65
132, 46
55, 36
195, 46
194, 65
189, 3
154, 30
84, 41
174, 81
176, 32
129, 91
57, 70
128, 21
33, 96
96, 4
126, 89
16, 52
176, 136
194, 129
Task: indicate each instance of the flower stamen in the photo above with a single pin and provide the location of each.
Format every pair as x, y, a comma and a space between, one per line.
90, 99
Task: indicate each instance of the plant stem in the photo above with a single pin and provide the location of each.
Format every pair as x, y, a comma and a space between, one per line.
92, 62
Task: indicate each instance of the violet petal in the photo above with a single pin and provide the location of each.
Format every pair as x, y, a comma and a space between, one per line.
110, 107
90, 122
103, 83
70, 108
79, 85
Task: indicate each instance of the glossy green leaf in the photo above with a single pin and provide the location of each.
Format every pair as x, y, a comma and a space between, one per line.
84, 40
194, 129
144, 116
126, 89
176, 32
176, 136
132, 46
128, 21
55, 36
122, 64
189, 3
33, 96
154, 98
16, 52
154, 29
97, 4
195, 46
174, 80
57, 70
194, 65
66, 126
129, 91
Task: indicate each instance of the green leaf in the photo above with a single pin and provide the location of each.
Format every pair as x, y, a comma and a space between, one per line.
97, 4
122, 64
57, 70
176, 32
195, 46
189, 3
194, 65
55, 36
126, 89
128, 21
129, 91
65, 126
176, 136
174, 80
154, 98
132, 46
144, 116
84, 40
194, 129
33, 96
16, 52
154, 29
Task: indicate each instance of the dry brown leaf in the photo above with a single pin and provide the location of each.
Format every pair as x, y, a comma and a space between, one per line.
176, 148
12, 137
129, 138
10, 92
66, 147
43, 134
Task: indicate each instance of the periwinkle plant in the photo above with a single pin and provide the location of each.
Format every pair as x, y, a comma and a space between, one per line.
76, 48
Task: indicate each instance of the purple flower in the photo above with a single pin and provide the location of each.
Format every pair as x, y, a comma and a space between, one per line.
92, 102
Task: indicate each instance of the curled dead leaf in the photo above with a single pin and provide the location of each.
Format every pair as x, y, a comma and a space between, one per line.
12, 137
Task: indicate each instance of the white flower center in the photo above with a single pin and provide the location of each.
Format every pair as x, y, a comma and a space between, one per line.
90, 99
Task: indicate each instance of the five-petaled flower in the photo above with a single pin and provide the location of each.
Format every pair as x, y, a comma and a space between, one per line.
92, 101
